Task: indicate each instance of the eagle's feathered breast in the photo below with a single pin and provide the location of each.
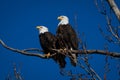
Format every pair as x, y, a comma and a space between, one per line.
67, 33
47, 41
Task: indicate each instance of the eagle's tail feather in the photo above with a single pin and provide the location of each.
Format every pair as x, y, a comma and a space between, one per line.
73, 59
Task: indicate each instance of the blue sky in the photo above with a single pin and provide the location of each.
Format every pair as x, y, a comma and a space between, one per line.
18, 21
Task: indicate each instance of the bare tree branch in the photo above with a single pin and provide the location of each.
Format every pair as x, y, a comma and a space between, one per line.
91, 70
114, 7
111, 29
24, 52
33, 49
17, 74
114, 36
72, 76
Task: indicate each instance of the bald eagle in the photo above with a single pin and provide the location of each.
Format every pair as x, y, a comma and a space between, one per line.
67, 37
48, 42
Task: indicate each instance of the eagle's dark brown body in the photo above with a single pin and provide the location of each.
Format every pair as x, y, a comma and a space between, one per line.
67, 34
48, 42
67, 38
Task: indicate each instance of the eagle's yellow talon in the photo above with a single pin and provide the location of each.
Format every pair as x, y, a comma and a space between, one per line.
61, 49
64, 49
47, 55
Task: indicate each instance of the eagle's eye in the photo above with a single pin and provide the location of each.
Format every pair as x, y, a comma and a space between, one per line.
41, 27
62, 17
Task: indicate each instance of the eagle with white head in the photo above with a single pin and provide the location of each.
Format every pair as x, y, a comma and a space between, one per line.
48, 42
67, 37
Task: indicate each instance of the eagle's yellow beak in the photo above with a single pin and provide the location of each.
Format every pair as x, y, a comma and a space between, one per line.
38, 27
59, 18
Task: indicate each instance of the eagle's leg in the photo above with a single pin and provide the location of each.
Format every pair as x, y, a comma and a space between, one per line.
65, 49
47, 55
60, 50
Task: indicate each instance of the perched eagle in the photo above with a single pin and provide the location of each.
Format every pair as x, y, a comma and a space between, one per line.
48, 42
67, 37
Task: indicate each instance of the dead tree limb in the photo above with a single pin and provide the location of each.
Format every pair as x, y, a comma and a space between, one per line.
115, 8
113, 31
25, 52
17, 74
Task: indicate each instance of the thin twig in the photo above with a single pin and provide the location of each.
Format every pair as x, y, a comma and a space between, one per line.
33, 49
111, 30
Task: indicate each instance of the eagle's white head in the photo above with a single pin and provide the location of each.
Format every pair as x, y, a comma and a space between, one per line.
42, 29
63, 20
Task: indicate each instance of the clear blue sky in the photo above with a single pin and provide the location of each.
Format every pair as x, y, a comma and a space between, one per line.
18, 19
